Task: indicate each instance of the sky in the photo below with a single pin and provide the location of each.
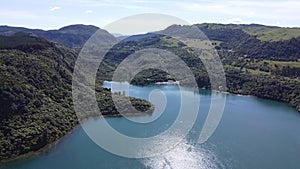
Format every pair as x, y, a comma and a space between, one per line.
54, 14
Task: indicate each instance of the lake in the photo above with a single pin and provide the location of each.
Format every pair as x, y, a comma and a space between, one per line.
253, 134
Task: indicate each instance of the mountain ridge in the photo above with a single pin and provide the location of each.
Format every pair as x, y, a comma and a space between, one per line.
73, 36
36, 71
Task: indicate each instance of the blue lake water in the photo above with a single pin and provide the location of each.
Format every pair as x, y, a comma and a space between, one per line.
253, 134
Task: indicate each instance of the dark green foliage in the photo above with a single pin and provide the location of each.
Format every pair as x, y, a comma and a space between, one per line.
23, 41
293, 72
127, 47
245, 74
151, 76
35, 76
35, 98
241, 43
36, 106
107, 108
264, 86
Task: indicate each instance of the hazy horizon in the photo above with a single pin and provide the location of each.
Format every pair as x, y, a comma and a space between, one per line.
55, 14
146, 31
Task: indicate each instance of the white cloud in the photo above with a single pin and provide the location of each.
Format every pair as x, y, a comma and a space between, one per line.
236, 20
54, 8
278, 12
255, 9
88, 11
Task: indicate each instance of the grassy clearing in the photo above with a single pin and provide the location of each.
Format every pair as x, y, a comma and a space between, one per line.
275, 34
252, 71
170, 42
281, 64
264, 33
273, 64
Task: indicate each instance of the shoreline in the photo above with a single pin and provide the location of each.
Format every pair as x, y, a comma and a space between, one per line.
226, 92
236, 94
49, 146
168, 83
40, 151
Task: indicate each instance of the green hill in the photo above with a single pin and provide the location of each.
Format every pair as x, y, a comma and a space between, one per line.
262, 32
35, 94
266, 69
35, 77
73, 36
240, 43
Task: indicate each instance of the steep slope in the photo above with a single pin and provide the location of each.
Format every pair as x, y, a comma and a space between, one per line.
239, 52
255, 41
35, 94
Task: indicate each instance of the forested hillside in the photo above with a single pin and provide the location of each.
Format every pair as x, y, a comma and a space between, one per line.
36, 70
259, 60
35, 94
263, 68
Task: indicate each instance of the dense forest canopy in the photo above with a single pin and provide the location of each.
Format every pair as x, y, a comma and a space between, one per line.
36, 95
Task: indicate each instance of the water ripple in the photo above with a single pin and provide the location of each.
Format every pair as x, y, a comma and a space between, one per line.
184, 156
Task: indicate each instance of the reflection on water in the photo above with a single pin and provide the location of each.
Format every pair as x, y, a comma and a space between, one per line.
253, 134
184, 155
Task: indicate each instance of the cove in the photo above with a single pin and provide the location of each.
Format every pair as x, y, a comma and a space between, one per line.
253, 133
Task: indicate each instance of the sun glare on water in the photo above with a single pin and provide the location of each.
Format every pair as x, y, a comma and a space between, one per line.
184, 156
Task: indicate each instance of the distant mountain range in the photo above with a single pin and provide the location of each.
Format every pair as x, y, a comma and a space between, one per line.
77, 35
37, 65
73, 36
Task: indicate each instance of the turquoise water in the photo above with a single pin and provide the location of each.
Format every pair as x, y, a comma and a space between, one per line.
253, 134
